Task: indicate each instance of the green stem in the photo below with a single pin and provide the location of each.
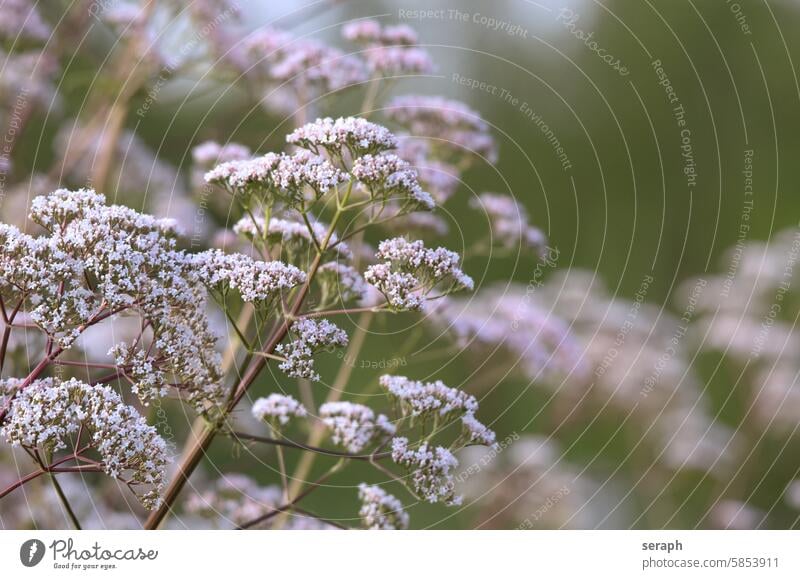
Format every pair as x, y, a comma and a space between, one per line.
65, 502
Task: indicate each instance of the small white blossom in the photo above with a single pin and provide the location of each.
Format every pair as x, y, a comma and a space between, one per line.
457, 130
312, 64
418, 398
256, 281
509, 222
431, 470
278, 177
309, 337
293, 236
356, 135
362, 31
399, 289
278, 407
387, 176
380, 510
22, 20
409, 271
439, 178
354, 426
477, 432
303, 67
211, 153
389, 50
340, 282
398, 60
148, 381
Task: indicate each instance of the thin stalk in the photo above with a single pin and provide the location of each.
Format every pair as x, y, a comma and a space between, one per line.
298, 446
27, 478
307, 395
65, 502
344, 312
282, 469
54, 467
289, 505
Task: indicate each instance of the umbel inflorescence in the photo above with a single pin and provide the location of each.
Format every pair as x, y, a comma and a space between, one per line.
93, 263
132, 324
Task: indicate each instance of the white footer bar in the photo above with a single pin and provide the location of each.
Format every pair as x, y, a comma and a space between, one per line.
355, 554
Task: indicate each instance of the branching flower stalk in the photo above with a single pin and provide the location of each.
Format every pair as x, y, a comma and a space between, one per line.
294, 272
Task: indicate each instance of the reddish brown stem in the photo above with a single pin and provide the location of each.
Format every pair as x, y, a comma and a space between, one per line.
53, 468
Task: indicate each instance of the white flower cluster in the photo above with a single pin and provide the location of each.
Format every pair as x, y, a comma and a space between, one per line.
477, 432
45, 413
533, 474
210, 153
387, 177
310, 336
401, 290
8, 386
31, 73
439, 178
307, 66
355, 426
340, 283
22, 20
509, 322
389, 50
277, 177
381, 511
431, 470
409, 271
419, 398
425, 399
147, 379
356, 135
371, 31
456, 131
121, 16
509, 222
259, 282
278, 408
96, 260
293, 236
